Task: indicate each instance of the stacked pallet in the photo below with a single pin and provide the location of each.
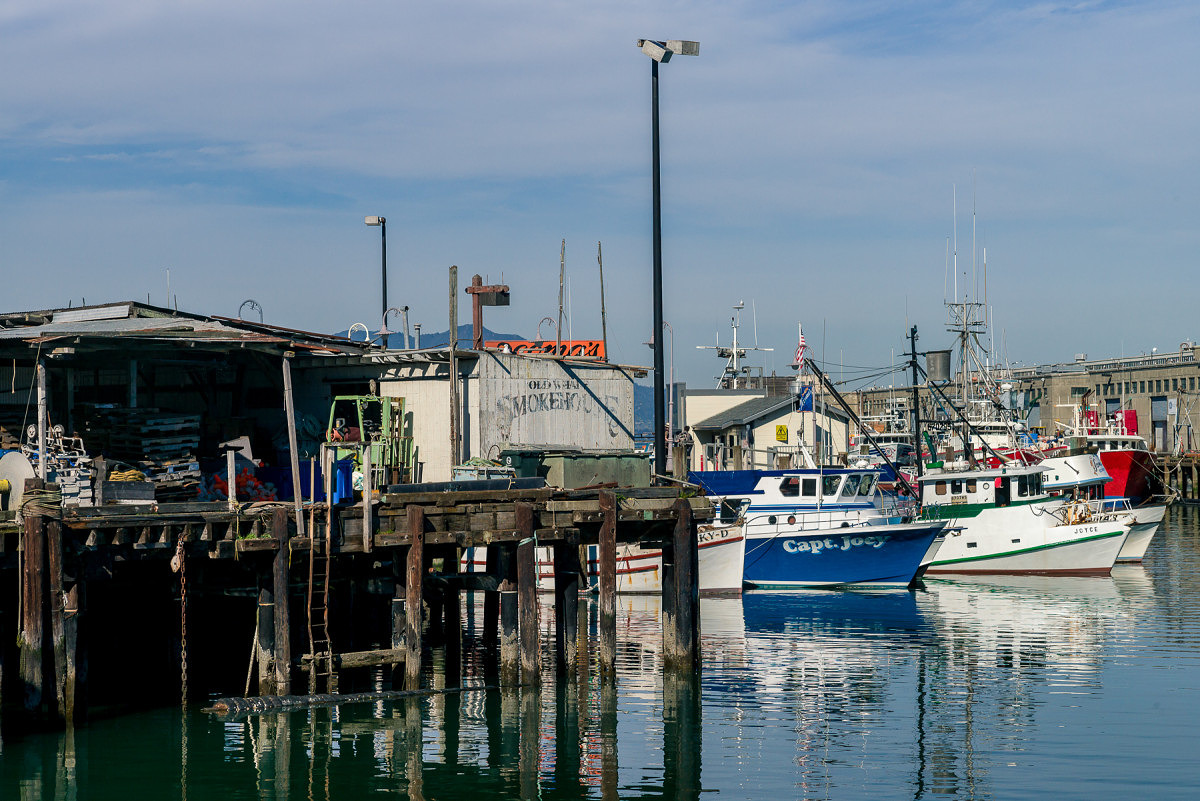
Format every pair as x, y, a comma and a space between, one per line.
160, 444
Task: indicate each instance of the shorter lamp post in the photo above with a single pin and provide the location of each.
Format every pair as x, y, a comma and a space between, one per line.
382, 223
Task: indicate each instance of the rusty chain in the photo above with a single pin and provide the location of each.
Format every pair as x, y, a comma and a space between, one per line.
179, 565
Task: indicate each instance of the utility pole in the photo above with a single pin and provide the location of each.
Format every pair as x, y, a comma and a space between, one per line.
916, 400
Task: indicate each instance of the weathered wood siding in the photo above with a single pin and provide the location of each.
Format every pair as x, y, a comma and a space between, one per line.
540, 402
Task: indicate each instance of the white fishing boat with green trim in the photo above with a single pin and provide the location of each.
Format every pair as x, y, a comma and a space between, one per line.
1009, 523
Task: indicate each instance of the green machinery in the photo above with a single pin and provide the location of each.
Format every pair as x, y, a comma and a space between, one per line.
374, 423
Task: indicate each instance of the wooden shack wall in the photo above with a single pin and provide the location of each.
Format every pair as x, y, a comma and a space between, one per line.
542, 402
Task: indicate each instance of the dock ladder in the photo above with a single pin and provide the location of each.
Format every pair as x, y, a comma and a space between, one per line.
320, 648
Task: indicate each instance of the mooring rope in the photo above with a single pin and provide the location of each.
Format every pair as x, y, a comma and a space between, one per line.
45, 502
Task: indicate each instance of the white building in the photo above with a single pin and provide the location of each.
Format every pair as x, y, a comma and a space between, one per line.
504, 400
751, 429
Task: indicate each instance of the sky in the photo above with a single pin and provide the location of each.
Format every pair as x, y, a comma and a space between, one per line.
819, 161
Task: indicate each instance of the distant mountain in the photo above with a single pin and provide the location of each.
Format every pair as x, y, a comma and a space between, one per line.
643, 410
439, 339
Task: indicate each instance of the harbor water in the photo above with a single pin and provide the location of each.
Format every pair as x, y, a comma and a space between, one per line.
996, 687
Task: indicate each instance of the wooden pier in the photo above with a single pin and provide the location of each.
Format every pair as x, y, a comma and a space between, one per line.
1180, 476
118, 599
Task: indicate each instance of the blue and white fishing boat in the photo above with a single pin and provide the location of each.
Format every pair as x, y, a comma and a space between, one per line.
820, 527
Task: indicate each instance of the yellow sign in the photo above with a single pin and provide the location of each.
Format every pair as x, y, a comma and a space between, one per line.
781, 433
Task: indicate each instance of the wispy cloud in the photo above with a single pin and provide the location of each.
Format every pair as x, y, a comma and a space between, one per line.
812, 146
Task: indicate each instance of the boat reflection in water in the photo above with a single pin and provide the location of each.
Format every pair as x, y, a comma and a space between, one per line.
975, 687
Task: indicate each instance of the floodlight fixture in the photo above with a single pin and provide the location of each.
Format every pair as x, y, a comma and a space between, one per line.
381, 223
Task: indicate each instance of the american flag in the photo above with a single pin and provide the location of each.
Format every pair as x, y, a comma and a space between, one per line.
800, 348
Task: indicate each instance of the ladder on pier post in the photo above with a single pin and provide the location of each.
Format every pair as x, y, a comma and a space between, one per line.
320, 647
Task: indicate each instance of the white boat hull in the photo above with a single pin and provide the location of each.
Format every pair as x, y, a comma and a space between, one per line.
1019, 540
639, 569
1147, 519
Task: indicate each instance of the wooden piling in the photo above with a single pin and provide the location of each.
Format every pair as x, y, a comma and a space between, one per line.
75, 674
264, 644
399, 617
607, 558
54, 558
32, 610
491, 601
510, 649
566, 607
670, 625
687, 589
416, 575
452, 628
282, 619
527, 598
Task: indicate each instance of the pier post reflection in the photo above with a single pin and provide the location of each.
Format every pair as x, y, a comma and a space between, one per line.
530, 751
608, 738
681, 735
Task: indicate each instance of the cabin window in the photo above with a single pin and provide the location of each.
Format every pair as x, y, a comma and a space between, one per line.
831, 485
810, 487
940, 488
971, 487
867, 485
730, 510
851, 488
1022, 486
771, 520
790, 487
956, 487
1002, 491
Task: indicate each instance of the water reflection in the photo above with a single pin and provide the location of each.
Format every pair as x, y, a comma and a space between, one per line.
971, 688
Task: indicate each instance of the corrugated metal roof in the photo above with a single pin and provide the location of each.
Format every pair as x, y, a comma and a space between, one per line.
127, 325
751, 410
743, 413
137, 320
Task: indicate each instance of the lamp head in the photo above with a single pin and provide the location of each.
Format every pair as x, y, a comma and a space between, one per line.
662, 51
375, 220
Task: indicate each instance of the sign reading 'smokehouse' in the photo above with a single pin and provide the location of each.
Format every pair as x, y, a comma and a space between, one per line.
593, 348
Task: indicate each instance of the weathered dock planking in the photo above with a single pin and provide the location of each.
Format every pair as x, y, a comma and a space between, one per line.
184, 556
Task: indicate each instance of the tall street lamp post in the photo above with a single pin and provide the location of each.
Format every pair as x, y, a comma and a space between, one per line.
382, 223
670, 382
659, 52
